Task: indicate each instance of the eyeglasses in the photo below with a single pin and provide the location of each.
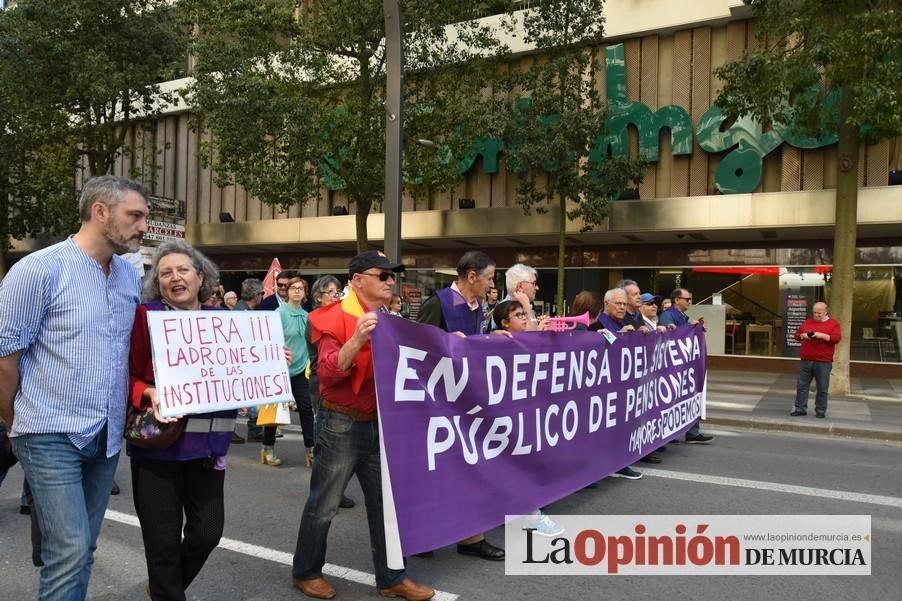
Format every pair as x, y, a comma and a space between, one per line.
383, 276
651, 304
296, 289
282, 285
532, 283
331, 293
685, 298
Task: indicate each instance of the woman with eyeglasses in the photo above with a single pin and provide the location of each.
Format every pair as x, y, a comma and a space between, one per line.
325, 291
294, 326
215, 299
511, 316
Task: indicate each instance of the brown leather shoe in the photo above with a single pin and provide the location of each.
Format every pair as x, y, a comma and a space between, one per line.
408, 589
318, 588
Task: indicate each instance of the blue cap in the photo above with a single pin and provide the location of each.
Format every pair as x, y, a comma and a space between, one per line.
648, 297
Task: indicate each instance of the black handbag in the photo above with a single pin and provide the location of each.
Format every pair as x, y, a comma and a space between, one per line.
144, 431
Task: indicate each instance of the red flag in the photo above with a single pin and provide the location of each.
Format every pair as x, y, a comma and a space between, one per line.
269, 282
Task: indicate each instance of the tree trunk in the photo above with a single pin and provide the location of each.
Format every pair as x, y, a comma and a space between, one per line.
363, 206
561, 257
4, 244
360, 218
843, 280
4, 226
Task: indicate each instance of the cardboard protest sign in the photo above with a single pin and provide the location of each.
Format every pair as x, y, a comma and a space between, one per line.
213, 360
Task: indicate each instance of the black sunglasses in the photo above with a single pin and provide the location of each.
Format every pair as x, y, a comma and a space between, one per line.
382, 275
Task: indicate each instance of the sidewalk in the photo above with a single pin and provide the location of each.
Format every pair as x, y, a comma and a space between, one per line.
749, 399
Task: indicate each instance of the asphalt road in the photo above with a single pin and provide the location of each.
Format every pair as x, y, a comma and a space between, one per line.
263, 507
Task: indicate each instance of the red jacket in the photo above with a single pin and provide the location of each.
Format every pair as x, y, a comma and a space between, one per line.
814, 349
332, 327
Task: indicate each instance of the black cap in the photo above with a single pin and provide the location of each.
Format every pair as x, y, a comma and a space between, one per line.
372, 258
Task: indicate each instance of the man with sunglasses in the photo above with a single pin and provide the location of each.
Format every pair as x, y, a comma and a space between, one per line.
457, 309
671, 318
274, 301
649, 311
347, 429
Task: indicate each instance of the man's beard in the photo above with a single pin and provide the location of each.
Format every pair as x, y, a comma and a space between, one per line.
120, 247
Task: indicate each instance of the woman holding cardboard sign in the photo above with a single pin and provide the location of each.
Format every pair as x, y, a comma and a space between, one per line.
177, 464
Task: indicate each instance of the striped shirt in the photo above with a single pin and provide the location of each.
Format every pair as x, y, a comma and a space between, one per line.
73, 325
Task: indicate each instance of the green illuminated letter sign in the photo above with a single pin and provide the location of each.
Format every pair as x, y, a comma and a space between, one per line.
745, 141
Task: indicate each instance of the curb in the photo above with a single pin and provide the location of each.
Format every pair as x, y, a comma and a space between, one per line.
826, 430
774, 425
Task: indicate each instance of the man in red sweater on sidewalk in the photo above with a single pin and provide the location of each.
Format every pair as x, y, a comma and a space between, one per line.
819, 335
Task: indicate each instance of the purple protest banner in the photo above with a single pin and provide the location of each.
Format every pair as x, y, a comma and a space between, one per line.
476, 428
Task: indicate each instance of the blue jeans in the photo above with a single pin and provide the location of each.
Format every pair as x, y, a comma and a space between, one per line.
343, 448
820, 372
71, 488
252, 428
694, 429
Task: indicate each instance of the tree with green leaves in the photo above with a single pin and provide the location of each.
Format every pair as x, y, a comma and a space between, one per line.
36, 181
292, 93
77, 75
822, 66
553, 128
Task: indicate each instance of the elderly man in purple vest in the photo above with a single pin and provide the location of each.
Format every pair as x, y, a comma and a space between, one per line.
457, 309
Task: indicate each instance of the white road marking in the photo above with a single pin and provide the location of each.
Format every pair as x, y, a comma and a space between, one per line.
713, 431
281, 557
732, 406
808, 491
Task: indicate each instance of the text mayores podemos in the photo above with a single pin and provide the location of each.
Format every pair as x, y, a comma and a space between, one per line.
584, 373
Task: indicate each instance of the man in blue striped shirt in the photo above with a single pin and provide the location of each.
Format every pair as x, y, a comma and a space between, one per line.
66, 316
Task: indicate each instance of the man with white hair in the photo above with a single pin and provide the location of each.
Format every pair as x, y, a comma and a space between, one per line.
522, 283
633, 315
230, 299
614, 313
611, 318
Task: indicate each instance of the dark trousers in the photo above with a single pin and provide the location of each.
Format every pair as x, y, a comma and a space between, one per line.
343, 448
819, 371
300, 389
166, 492
269, 436
315, 396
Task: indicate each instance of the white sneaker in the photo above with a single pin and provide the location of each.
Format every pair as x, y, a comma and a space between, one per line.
545, 526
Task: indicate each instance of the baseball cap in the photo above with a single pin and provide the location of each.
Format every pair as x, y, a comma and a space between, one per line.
372, 258
648, 297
